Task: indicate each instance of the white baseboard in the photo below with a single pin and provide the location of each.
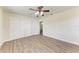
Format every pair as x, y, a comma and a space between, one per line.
75, 42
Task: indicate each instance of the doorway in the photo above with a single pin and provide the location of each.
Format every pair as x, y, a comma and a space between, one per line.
41, 27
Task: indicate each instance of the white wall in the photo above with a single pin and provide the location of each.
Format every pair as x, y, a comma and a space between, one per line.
63, 26
4, 26
22, 26
0, 25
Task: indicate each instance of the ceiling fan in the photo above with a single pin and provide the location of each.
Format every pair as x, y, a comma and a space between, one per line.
39, 11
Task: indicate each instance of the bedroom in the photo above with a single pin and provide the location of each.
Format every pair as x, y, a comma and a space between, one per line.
59, 26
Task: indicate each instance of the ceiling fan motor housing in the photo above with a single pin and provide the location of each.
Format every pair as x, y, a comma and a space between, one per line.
40, 7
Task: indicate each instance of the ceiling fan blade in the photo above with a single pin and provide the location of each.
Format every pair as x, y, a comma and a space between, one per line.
45, 10
32, 9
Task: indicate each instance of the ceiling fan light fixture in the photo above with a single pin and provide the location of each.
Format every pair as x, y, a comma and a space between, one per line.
41, 13
37, 14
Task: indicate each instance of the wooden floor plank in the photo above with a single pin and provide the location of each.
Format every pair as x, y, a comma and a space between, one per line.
38, 44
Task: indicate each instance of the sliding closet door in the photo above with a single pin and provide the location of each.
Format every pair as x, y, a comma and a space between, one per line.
19, 27
23, 26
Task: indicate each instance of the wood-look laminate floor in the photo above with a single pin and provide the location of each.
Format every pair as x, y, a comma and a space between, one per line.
38, 44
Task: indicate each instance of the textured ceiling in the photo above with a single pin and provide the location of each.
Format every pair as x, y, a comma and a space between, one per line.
25, 9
